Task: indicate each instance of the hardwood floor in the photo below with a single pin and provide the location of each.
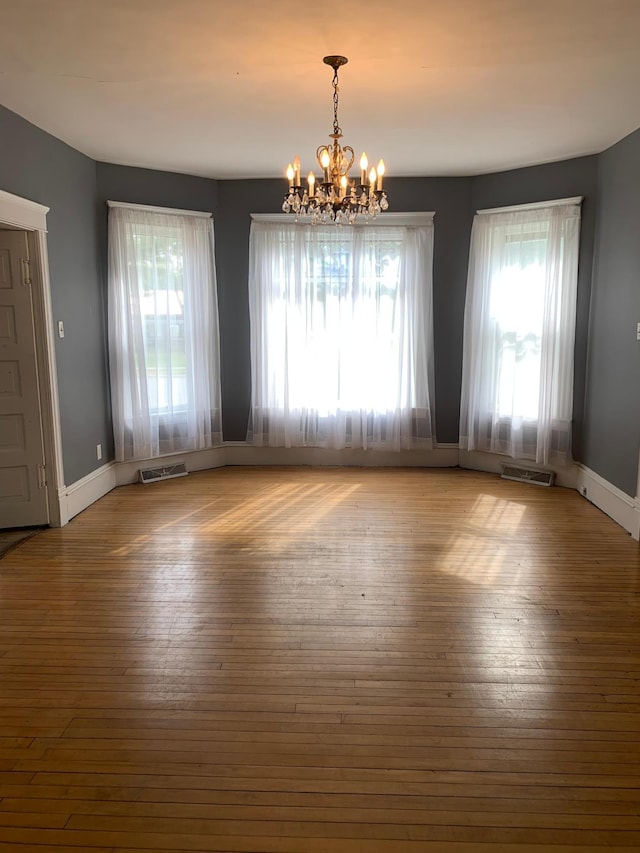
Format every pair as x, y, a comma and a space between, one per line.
311, 660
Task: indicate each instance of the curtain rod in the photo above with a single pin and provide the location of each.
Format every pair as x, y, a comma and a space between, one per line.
559, 202
149, 208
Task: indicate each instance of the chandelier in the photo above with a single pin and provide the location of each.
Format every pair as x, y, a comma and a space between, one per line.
336, 197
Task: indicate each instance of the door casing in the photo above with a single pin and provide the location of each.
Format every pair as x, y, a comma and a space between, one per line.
32, 218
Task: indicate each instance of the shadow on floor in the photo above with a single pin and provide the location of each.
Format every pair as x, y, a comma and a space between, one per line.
12, 537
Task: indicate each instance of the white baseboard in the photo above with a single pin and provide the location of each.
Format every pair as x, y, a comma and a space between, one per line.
476, 460
88, 490
619, 506
198, 460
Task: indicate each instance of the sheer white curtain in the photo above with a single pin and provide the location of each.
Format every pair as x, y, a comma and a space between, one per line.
341, 340
163, 333
520, 314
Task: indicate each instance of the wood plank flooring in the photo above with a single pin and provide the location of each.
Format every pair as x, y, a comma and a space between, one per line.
310, 660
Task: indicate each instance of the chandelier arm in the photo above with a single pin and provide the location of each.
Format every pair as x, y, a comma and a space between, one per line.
347, 166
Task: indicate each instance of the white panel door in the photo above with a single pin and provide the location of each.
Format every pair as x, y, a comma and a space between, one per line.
23, 493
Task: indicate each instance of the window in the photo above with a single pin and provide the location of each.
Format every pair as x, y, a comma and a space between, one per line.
517, 383
163, 332
341, 335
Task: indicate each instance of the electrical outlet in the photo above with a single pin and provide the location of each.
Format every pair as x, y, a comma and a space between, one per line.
61, 329
638, 332
99, 451
584, 491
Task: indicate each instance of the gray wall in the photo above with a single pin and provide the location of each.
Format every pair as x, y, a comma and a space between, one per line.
39, 167
612, 410
147, 186
543, 183
238, 200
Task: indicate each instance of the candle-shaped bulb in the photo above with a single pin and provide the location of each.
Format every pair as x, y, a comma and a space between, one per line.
381, 171
296, 170
343, 185
372, 179
364, 165
311, 180
290, 176
324, 162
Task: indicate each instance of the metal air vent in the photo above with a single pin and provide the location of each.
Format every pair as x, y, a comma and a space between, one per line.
527, 475
164, 472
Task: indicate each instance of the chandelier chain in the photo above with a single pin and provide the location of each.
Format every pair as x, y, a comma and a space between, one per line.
336, 126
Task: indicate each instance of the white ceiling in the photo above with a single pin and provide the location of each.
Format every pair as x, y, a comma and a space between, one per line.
235, 88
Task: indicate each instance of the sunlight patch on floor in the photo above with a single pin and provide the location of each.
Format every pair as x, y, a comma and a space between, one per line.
278, 514
272, 513
477, 553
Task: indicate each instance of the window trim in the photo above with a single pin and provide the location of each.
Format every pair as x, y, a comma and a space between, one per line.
538, 205
424, 217
150, 208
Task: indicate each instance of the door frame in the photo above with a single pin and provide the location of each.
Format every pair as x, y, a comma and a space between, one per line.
32, 218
